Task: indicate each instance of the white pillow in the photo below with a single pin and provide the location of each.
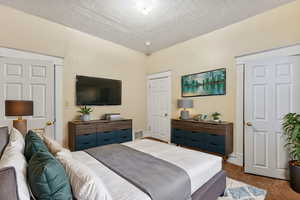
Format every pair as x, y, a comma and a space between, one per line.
66, 154
13, 157
86, 185
53, 146
17, 140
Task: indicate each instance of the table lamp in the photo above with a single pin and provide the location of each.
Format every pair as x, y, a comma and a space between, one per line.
185, 103
19, 108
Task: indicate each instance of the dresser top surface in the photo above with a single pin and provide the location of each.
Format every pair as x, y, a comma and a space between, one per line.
206, 122
79, 122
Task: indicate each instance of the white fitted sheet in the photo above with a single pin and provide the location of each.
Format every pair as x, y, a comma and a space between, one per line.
199, 166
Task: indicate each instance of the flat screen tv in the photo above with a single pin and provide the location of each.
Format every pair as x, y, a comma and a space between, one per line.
91, 91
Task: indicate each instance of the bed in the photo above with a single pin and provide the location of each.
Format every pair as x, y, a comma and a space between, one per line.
207, 179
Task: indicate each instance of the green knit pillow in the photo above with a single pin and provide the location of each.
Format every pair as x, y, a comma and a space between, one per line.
33, 143
47, 178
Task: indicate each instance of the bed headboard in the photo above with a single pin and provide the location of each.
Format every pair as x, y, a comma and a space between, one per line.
3, 138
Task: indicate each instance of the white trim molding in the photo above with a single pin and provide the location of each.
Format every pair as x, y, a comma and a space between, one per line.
58, 81
278, 52
160, 75
236, 158
14, 53
291, 50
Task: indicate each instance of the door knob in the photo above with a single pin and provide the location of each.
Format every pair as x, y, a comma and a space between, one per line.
249, 124
166, 114
49, 123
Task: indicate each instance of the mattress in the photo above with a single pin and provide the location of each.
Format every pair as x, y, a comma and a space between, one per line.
199, 166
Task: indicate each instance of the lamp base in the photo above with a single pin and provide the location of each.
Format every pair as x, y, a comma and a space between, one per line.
20, 125
184, 114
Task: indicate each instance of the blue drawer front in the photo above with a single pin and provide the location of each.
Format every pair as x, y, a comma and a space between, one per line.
178, 136
216, 143
217, 139
216, 148
86, 141
124, 135
105, 138
197, 139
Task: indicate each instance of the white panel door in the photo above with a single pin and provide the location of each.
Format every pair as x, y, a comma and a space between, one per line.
159, 111
22, 79
272, 90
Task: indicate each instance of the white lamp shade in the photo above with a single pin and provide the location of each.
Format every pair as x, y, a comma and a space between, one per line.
185, 103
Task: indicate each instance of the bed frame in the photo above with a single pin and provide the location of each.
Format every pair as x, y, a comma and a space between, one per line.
211, 190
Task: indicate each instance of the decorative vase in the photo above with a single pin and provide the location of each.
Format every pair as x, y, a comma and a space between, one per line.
217, 119
85, 117
294, 176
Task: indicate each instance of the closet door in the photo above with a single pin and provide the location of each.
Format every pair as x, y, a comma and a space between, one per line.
271, 91
159, 107
22, 79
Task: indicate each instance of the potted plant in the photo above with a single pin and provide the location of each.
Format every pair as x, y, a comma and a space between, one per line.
216, 116
291, 128
85, 113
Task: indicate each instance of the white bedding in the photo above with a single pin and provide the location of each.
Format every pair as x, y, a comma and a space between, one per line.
200, 167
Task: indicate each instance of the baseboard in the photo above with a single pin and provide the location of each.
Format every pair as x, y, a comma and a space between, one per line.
146, 133
236, 158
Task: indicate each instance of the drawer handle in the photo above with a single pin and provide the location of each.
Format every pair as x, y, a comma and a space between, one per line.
87, 134
85, 143
107, 131
106, 140
194, 132
193, 140
125, 129
124, 137
213, 144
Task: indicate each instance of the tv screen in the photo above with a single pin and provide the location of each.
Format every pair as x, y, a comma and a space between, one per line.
98, 91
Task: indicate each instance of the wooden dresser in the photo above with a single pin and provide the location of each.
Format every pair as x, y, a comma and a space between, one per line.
208, 136
84, 135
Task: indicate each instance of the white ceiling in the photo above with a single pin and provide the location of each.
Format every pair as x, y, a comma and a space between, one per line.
169, 21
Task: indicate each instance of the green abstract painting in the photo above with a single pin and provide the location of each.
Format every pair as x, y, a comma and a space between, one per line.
204, 84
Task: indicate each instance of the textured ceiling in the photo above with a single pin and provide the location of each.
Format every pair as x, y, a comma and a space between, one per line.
169, 21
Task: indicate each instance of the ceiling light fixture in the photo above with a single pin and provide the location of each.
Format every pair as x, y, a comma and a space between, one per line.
145, 6
147, 43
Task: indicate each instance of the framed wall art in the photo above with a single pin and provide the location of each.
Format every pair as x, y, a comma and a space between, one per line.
207, 83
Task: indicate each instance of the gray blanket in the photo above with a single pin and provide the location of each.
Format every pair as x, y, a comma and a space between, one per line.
159, 179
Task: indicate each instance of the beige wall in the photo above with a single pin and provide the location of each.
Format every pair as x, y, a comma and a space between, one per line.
84, 55
87, 55
275, 28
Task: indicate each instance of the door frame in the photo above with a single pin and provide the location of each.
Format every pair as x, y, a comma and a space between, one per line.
291, 50
58, 83
158, 75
